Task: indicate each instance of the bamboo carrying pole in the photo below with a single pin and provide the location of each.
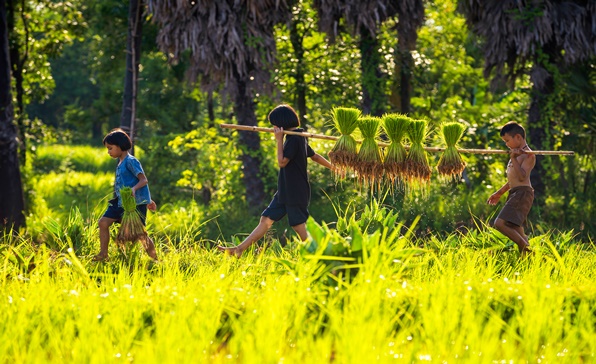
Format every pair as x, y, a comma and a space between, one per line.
428, 149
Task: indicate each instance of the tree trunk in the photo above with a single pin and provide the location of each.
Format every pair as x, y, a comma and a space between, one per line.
17, 66
250, 144
536, 139
133, 58
373, 82
401, 89
296, 40
405, 76
12, 204
539, 123
210, 110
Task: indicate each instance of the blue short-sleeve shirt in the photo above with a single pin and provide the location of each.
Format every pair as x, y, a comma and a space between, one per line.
126, 176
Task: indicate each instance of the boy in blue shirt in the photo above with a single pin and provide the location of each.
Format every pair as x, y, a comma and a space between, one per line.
129, 173
293, 188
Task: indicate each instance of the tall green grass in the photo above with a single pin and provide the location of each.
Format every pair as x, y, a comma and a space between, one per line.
82, 158
367, 287
385, 295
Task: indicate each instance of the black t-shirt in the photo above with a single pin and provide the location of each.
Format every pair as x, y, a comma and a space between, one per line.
293, 187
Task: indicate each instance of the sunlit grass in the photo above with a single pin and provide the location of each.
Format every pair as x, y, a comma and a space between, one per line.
59, 157
469, 300
365, 289
61, 191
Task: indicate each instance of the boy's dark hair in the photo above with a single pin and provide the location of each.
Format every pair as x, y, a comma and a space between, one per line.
512, 128
284, 116
118, 137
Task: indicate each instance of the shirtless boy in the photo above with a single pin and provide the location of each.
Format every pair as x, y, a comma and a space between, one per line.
513, 216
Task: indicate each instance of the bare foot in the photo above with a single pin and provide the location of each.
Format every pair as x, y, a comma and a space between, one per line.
525, 251
230, 250
100, 258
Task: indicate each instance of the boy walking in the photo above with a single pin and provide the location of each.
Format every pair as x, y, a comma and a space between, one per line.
293, 188
513, 216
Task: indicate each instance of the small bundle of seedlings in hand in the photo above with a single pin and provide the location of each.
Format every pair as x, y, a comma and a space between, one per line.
396, 127
131, 227
418, 168
369, 167
344, 153
451, 164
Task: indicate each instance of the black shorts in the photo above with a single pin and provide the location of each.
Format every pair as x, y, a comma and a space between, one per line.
297, 214
115, 212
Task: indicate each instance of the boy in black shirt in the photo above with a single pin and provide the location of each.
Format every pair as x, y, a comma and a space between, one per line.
293, 188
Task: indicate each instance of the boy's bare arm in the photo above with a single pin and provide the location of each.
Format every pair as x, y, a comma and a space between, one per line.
321, 160
494, 198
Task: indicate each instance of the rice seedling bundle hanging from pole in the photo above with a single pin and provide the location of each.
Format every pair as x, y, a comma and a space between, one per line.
344, 153
451, 164
418, 167
428, 149
369, 166
131, 227
396, 127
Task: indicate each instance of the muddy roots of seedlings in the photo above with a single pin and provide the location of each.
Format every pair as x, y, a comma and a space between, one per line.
369, 167
394, 165
343, 156
370, 173
451, 163
451, 166
344, 152
131, 227
418, 171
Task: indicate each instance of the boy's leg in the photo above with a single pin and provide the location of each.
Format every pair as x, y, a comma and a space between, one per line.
104, 237
301, 231
514, 234
521, 232
260, 231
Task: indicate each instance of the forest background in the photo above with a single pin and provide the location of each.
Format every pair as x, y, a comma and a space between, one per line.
68, 92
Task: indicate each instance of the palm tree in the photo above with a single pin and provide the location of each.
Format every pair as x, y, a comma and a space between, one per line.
364, 18
539, 38
231, 43
133, 58
11, 189
19, 54
299, 28
410, 19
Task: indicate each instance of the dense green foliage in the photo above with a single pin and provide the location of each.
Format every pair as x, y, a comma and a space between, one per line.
175, 124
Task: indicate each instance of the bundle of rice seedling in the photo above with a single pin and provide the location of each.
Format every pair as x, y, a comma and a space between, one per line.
418, 168
396, 127
131, 227
369, 166
344, 153
451, 163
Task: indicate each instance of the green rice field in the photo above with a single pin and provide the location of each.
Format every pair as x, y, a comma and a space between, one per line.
354, 292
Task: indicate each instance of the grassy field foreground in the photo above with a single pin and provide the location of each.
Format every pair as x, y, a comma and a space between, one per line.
367, 290
463, 298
